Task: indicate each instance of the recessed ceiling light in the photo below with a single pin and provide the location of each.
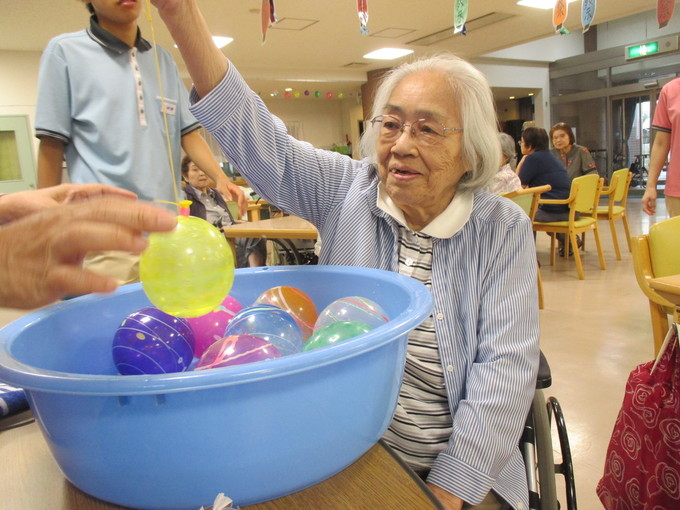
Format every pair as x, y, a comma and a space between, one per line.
531, 94
511, 97
219, 41
540, 4
387, 53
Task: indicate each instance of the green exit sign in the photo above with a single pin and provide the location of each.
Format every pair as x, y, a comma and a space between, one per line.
642, 50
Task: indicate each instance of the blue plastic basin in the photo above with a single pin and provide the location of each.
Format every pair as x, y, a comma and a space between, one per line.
253, 432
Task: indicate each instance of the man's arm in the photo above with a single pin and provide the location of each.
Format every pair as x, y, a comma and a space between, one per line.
657, 158
50, 162
207, 65
199, 152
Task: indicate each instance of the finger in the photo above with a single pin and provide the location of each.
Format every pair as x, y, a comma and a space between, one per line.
124, 212
79, 238
74, 280
86, 191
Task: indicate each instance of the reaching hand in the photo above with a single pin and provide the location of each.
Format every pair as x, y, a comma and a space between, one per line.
22, 203
232, 192
41, 254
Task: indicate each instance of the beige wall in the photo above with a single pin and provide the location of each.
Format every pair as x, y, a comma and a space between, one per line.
324, 121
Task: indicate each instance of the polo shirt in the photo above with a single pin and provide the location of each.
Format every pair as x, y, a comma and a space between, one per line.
542, 167
667, 119
102, 99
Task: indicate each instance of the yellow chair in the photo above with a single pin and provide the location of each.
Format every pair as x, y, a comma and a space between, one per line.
656, 255
527, 199
617, 191
583, 198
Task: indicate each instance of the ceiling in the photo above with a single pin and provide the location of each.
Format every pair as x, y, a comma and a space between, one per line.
317, 45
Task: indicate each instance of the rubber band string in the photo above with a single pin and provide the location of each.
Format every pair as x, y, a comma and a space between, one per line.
163, 105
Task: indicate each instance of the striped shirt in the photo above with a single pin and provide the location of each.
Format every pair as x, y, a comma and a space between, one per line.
422, 423
483, 280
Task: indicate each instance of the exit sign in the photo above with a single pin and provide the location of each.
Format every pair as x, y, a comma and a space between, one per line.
663, 45
642, 50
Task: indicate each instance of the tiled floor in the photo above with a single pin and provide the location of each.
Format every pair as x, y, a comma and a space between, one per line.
594, 332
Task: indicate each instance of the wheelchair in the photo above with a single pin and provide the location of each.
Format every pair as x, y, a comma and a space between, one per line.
537, 448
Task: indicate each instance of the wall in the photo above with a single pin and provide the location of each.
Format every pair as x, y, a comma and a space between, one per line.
324, 122
19, 86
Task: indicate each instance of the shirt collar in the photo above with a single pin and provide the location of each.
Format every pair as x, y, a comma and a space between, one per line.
110, 41
451, 220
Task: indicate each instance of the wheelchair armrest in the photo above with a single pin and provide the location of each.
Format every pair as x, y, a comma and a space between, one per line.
544, 378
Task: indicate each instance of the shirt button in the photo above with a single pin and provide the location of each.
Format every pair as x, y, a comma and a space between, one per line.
449, 368
520, 506
440, 316
409, 262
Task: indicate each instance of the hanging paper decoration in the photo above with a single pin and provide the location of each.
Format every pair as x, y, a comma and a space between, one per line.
329, 95
587, 13
306, 92
317, 93
460, 13
560, 16
664, 11
296, 94
268, 17
362, 10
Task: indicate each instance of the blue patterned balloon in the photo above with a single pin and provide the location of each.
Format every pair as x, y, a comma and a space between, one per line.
270, 322
149, 341
353, 309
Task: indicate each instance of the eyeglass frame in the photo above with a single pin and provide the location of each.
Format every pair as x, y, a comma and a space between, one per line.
412, 131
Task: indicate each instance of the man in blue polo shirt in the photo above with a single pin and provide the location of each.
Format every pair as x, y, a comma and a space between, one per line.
101, 108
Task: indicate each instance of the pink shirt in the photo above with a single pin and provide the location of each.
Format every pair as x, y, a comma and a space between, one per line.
667, 119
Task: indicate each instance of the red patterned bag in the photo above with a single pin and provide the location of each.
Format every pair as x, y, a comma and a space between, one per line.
642, 468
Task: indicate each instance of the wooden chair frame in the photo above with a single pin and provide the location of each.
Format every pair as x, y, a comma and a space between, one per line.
573, 226
519, 197
617, 191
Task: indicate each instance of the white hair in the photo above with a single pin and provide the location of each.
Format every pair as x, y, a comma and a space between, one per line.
470, 91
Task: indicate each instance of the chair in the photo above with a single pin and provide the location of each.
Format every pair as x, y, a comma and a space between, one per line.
583, 198
656, 255
527, 199
617, 191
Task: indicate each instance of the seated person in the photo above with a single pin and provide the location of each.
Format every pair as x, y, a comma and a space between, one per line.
538, 167
506, 179
575, 158
207, 203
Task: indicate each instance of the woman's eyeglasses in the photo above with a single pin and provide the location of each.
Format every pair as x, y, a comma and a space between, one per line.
423, 131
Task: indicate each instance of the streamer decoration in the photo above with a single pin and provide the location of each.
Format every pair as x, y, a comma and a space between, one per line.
560, 12
587, 13
269, 17
362, 10
664, 11
460, 14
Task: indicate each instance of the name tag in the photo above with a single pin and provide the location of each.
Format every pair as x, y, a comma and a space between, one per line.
168, 106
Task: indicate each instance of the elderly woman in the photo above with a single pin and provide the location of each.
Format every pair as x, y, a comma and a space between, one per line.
575, 158
505, 180
411, 206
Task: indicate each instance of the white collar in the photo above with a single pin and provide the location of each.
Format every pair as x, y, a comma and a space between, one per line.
450, 221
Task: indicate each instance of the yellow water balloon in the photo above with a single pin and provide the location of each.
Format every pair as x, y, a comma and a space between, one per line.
187, 272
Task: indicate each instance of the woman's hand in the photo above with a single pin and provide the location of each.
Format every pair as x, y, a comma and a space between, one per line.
448, 500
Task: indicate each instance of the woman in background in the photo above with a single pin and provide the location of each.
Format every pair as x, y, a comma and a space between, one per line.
506, 180
575, 158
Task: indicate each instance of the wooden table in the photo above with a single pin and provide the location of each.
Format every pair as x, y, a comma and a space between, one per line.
669, 288
285, 227
281, 230
31, 479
